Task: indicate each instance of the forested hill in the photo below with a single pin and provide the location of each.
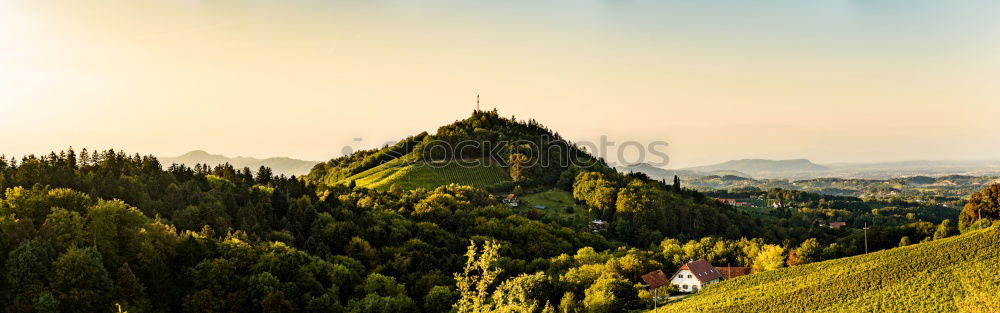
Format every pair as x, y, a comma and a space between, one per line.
503, 155
957, 274
483, 150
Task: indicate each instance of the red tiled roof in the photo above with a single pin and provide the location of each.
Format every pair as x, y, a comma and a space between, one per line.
656, 279
735, 271
702, 270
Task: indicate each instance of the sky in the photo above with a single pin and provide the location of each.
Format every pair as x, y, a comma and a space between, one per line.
831, 81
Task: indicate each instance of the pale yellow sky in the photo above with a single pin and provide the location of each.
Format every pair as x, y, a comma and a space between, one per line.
830, 81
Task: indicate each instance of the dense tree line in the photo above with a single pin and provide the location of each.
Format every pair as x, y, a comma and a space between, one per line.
643, 211
114, 228
982, 209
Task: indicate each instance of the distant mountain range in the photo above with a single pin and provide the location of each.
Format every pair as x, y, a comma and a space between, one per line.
278, 165
805, 169
761, 167
750, 168
668, 174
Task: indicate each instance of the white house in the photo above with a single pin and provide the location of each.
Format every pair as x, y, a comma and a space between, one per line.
693, 276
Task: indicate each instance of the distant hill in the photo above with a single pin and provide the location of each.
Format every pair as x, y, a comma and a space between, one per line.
278, 165
919, 164
915, 168
656, 172
955, 274
761, 167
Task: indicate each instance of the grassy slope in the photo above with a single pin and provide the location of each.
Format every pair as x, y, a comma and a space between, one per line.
551, 199
556, 201
958, 274
408, 175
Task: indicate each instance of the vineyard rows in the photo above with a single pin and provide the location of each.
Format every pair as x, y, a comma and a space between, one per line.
949, 275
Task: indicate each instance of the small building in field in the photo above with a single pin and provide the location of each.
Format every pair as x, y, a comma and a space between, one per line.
598, 225
728, 201
694, 276
540, 207
511, 200
654, 281
730, 272
834, 225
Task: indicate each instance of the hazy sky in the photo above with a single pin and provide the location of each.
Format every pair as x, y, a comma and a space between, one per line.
826, 80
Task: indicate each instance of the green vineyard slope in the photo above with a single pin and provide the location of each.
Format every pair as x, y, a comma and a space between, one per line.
957, 274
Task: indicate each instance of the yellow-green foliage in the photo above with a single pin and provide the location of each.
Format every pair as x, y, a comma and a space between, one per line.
957, 274
417, 174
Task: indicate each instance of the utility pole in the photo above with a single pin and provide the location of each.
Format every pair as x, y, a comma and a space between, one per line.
654, 298
477, 102
866, 238
979, 218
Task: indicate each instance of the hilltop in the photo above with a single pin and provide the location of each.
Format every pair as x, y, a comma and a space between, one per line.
955, 274
278, 165
484, 150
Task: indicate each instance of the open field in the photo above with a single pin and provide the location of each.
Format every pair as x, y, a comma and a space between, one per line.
415, 175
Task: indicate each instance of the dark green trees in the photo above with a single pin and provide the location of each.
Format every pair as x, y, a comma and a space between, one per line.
946, 229
80, 282
26, 274
982, 205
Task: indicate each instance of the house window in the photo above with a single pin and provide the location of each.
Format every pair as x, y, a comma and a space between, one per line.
684, 287
680, 276
689, 275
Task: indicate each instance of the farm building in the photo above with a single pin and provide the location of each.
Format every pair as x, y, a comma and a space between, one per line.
510, 200
730, 272
654, 281
598, 225
728, 201
834, 225
693, 276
